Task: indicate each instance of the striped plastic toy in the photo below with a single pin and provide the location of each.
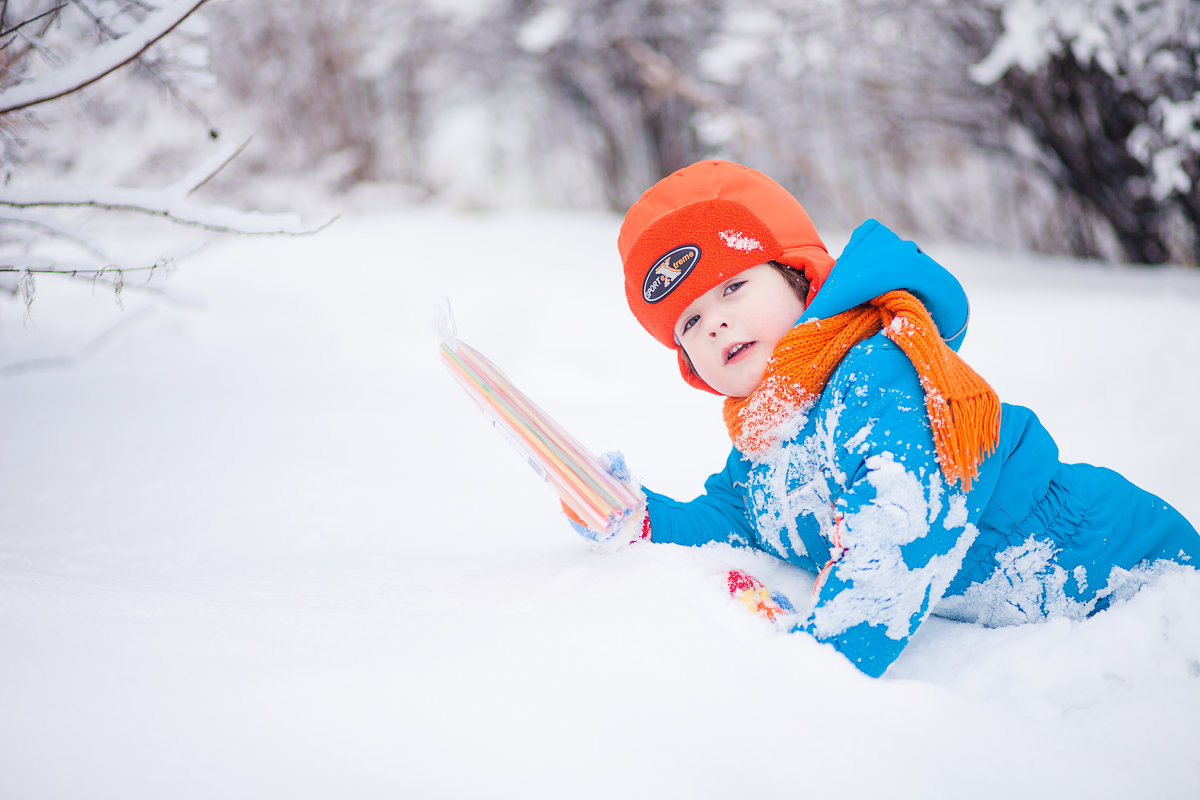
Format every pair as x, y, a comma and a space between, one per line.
600, 500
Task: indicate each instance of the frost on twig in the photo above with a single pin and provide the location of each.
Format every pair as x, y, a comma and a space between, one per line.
113, 277
28, 289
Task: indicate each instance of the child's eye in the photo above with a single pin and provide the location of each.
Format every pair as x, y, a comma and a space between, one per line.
733, 287
689, 322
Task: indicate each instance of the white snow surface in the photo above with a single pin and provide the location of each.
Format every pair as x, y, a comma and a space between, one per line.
257, 543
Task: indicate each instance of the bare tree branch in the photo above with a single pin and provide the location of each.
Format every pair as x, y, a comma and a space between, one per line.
208, 170
14, 56
31, 20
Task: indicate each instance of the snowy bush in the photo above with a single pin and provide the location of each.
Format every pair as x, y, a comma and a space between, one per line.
1110, 91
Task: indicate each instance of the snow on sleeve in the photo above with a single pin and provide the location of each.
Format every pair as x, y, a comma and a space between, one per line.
793, 484
875, 582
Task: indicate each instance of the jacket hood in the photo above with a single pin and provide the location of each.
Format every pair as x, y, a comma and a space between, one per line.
876, 261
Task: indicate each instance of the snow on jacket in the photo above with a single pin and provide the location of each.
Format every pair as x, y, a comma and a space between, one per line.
857, 496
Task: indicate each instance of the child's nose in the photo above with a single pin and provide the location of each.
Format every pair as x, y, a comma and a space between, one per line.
716, 328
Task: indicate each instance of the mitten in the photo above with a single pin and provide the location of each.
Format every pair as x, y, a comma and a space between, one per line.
750, 592
636, 526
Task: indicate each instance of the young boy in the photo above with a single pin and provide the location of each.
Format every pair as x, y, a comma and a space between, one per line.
865, 449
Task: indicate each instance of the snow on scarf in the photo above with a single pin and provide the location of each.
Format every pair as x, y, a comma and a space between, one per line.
963, 410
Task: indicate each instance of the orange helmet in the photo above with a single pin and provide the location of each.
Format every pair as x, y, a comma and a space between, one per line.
702, 225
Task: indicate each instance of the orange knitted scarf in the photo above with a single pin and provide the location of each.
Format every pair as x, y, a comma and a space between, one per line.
963, 410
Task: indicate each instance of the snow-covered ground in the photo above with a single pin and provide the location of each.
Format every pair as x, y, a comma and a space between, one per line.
256, 543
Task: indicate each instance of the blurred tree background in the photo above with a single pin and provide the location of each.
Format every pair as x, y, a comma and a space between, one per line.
1064, 126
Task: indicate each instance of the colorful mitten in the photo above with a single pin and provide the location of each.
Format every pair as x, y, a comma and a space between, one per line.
636, 526
750, 592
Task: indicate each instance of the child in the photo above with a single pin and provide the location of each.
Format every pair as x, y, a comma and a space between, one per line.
865, 449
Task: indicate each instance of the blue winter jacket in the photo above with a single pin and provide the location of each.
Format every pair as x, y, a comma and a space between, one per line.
1033, 538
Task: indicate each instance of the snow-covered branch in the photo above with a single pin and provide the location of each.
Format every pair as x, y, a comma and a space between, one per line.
101, 61
42, 231
164, 203
173, 202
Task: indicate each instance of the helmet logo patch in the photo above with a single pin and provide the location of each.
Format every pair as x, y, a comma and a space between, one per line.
669, 271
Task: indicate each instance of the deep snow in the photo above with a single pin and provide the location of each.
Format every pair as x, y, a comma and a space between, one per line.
257, 543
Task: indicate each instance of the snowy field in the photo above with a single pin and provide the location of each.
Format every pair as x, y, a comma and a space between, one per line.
257, 544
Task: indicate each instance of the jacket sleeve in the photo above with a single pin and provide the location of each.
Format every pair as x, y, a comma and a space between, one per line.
718, 515
900, 532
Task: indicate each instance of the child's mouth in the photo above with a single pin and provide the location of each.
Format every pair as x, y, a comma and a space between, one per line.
737, 350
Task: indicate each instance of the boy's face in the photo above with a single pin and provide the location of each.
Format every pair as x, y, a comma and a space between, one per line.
729, 331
